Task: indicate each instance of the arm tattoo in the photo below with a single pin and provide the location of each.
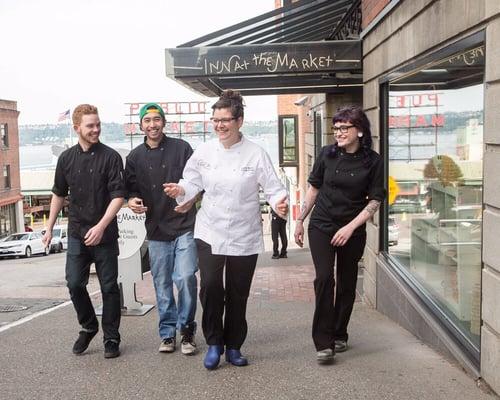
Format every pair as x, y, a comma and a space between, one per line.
372, 207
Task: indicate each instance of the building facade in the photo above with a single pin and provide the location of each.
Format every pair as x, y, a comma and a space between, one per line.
431, 88
11, 205
432, 92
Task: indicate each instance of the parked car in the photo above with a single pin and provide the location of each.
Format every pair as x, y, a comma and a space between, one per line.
393, 232
23, 244
405, 206
59, 240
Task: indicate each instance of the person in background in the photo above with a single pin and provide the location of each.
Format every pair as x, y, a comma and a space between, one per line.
228, 228
172, 250
93, 173
278, 228
346, 189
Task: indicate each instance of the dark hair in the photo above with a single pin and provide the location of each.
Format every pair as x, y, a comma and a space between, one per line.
357, 117
233, 100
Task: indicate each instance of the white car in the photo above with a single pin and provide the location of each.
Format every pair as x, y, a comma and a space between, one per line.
23, 244
59, 240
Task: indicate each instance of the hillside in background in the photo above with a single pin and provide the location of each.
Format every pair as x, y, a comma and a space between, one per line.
114, 132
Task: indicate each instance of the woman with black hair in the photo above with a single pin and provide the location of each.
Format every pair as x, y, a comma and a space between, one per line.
346, 189
228, 228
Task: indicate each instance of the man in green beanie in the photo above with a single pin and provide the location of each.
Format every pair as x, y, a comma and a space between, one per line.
172, 250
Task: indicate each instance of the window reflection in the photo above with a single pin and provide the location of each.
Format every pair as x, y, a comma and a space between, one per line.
435, 212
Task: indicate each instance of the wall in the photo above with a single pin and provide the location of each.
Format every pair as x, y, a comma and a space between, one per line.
411, 29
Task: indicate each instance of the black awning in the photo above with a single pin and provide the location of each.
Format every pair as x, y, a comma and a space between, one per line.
287, 50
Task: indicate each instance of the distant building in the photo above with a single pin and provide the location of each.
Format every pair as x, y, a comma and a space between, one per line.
11, 204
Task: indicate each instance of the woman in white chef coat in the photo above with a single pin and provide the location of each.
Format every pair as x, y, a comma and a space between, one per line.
228, 230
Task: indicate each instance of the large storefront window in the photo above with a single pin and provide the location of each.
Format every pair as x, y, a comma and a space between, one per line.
435, 150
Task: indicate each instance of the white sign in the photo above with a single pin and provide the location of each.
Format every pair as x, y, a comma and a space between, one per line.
132, 232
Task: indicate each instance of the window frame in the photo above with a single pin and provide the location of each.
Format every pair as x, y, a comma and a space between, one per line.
4, 135
281, 140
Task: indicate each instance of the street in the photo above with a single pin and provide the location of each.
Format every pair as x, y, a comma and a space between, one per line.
29, 285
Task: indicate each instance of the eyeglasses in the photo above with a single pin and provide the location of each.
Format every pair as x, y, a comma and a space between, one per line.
223, 121
342, 128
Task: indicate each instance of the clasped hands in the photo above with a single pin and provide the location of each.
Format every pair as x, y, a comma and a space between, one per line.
175, 190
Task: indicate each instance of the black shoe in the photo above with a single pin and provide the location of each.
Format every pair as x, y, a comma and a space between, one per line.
283, 256
111, 349
83, 341
340, 346
275, 256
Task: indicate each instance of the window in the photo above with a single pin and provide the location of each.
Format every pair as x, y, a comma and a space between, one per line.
6, 176
4, 135
435, 149
288, 143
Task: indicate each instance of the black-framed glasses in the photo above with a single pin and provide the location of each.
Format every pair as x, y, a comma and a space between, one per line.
223, 121
342, 128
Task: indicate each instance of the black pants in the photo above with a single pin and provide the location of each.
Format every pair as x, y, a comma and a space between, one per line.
78, 260
231, 301
278, 227
333, 311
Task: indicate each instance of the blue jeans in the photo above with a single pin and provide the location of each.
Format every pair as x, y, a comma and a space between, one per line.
175, 262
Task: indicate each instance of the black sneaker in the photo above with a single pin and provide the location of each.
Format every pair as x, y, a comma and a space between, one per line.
188, 345
283, 256
340, 346
275, 256
111, 349
83, 341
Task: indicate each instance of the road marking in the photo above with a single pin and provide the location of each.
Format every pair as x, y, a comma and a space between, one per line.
39, 313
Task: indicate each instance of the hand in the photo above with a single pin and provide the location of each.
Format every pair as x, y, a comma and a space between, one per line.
299, 233
47, 237
342, 236
173, 190
186, 206
282, 207
94, 236
136, 205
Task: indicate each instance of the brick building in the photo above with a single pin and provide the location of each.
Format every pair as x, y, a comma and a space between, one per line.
11, 205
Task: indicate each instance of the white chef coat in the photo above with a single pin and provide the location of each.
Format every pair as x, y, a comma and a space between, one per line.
229, 218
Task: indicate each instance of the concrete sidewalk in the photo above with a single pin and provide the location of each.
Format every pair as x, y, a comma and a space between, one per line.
384, 361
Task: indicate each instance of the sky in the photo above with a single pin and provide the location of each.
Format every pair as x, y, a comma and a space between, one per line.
56, 54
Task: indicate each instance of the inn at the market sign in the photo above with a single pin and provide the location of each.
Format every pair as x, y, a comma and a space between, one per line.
331, 66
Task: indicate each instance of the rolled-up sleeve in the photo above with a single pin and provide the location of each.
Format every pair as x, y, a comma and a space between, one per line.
318, 170
274, 190
191, 181
116, 181
376, 190
61, 186
131, 179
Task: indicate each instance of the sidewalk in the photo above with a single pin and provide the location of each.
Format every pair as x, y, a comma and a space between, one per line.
384, 361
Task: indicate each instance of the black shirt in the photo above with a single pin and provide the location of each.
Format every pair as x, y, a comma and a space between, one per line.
146, 170
346, 182
93, 178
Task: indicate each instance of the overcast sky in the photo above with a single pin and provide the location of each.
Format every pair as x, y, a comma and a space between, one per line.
55, 54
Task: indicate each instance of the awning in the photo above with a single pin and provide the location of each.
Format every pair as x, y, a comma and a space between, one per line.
10, 200
288, 50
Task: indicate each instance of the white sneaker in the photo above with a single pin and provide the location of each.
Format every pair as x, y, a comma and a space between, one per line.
188, 345
167, 345
325, 356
